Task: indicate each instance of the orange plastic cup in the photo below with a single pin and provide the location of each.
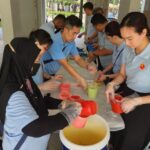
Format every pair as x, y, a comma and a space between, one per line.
116, 104
79, 122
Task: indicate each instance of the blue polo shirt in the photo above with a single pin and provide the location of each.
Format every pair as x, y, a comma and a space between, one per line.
137, 69
103, 42
90, 28
57, 51
38, 77
117, 57
19, 113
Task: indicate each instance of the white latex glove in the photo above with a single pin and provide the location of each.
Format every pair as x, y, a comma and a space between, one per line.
48, 86
110, 91
64, 104
92, 68
72, 111
58, 77
129, 104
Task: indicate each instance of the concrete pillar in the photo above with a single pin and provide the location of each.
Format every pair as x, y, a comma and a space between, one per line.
20, 17
127, 6
147, 10
101, 3
7, 22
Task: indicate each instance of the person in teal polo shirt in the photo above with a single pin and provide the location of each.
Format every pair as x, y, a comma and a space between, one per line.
135, 70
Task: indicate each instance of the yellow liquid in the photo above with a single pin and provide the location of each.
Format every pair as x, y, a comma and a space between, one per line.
91, 134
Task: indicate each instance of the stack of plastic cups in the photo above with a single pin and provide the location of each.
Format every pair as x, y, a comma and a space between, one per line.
65, 91
116, 104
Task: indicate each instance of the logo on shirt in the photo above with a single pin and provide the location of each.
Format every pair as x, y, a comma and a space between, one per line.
142, 66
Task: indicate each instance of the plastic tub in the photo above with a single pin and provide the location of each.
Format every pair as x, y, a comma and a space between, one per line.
94, 136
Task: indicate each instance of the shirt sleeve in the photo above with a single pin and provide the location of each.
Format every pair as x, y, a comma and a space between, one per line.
56, 51
124, 56
45, 125
74, 50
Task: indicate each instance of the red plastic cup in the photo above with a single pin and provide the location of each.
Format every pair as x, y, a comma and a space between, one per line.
65, 87
75, 98
64, 95
79, 122
116, 104
88, 108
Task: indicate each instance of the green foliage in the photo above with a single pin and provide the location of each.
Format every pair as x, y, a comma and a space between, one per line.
115, 2
53, 12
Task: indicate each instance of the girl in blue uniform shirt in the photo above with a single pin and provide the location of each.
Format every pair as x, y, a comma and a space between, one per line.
136, 70
23, 110
113, 34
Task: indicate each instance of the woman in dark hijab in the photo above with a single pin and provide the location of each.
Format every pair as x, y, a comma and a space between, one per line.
23, 110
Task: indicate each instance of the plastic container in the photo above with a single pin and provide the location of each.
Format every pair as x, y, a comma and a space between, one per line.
74, 97
79, 122
65, 87
88, 108
92, 90
64, 95
94, 136
116, 104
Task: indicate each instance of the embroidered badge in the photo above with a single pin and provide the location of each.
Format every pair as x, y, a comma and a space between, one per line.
142, 66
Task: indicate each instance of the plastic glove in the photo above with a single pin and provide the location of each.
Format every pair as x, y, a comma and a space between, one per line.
72, 111
110, 91
130, 104
64, 104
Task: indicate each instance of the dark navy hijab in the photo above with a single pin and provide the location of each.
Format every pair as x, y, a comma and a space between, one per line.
16, 74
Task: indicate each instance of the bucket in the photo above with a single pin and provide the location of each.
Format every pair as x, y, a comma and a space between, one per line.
94, 136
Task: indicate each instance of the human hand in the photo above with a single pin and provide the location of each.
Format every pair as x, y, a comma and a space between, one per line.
96, 45
110, 91
72, 111
91, 56
92, 68
58, 77
130, 104
64, 104
48, 86
101, 76
83, 83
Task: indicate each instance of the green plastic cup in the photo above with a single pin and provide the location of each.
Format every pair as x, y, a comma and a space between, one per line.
92, 90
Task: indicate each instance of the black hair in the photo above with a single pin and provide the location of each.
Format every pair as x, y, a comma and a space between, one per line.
113, 28
72, 21
98, 10
41, 36
98, 19
60, 17
88, 5
137, 20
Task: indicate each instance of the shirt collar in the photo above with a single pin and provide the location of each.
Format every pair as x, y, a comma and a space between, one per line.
146, 52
